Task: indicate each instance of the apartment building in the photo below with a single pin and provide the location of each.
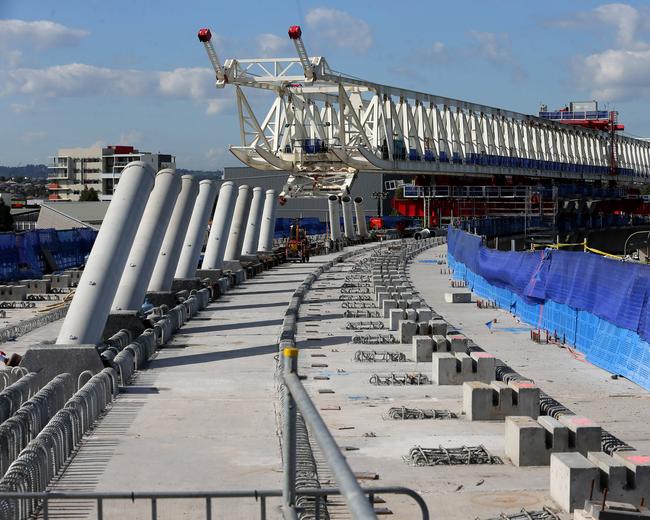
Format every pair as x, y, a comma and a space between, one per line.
74, 169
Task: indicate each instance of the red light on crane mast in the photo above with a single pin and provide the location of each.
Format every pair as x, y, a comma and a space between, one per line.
295, 32
205, 35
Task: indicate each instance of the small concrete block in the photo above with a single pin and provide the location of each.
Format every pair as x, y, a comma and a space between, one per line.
613, 476
571, 477
446, 369
381, 296
414, 303
584, 434
458, 343
422, 348
458, 297
424, 314
407, 329
438, 327
380, 288
411, 314
478, 400
527, 398
525, 441
13, 292
638, 471
387, 306
423, 329
60, 281
52, 360
407, 295
395, 315
557, 436
484, 366
440, 343
402, 304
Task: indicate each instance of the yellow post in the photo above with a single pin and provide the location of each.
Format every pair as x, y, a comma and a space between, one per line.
584, 245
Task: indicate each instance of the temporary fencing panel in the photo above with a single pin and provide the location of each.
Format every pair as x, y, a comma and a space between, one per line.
599, 305
21, 254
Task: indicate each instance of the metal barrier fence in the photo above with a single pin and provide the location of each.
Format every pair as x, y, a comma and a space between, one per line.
261, 496
296, 404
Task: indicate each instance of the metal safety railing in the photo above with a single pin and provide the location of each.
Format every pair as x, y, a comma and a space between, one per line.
359, 500
48, 500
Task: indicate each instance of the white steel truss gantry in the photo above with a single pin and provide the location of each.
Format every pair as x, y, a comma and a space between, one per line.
323, 127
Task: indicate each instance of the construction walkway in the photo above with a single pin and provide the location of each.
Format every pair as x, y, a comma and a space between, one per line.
201, 416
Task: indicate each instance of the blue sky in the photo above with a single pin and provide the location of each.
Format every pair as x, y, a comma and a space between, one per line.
79, 72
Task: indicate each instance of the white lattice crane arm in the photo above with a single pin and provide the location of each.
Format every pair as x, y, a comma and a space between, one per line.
295, 33
205, 37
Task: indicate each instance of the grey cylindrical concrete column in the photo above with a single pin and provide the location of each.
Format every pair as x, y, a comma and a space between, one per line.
335, 217
252, 236
361, 217
236, 235
88, 312
147, 242
195, 236
170, 251
218, 238
348, 223
267, 229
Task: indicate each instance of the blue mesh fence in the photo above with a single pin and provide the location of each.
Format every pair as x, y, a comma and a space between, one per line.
598, 305
22, 255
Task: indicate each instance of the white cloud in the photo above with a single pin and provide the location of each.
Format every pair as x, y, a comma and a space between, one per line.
132, 137
616, 74
272, 44
340, 28
218, 106
42, 34
622, 71
492, 46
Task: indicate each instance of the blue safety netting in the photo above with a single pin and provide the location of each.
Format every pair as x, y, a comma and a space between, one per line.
22, 255
315, 226
599, 305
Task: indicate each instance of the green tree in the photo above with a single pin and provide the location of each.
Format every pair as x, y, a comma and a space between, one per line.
6, 220
88, 195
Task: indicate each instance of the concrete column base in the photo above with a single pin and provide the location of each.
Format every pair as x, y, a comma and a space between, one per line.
211, 274
186, 284
51, 360
118, 320
158, 298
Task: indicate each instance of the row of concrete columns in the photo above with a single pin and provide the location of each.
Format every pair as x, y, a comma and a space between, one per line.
153, 233
349, 230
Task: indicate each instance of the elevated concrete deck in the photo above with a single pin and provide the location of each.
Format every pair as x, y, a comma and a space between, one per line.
202, 415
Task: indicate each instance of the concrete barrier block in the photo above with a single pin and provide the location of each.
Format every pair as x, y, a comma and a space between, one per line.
494, 402
381, 297
440, 343
613, 476
458, 297
13, 292
422, 348
530, 443
438, 327
395, 315
584, 434
446, 369
380, 288
638, 472
401, 304
61, 281
484, 366
571, 477
411, 314
424, 314
407, 329
407, 295
423, 329
36, 286
458, 343
414, 303
387, 306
